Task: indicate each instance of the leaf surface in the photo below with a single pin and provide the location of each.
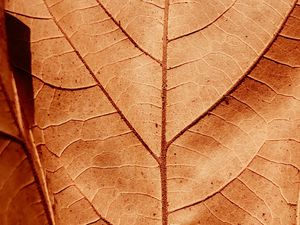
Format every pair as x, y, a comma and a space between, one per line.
21, 195
166, 112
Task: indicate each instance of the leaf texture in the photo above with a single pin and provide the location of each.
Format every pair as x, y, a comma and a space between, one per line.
152, 112
21, 195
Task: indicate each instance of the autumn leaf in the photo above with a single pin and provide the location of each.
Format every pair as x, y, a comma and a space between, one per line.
151, 112
23, 192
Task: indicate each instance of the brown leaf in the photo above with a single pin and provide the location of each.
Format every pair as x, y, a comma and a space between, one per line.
159, 112
22, 196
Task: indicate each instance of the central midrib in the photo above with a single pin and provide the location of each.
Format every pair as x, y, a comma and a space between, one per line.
164, 147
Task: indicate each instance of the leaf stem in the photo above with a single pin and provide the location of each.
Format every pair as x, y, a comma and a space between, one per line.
164, 147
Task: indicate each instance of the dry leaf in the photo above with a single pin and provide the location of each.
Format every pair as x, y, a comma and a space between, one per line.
151, 112
23, 194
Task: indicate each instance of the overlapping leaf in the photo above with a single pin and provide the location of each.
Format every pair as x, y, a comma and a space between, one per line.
20, 181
